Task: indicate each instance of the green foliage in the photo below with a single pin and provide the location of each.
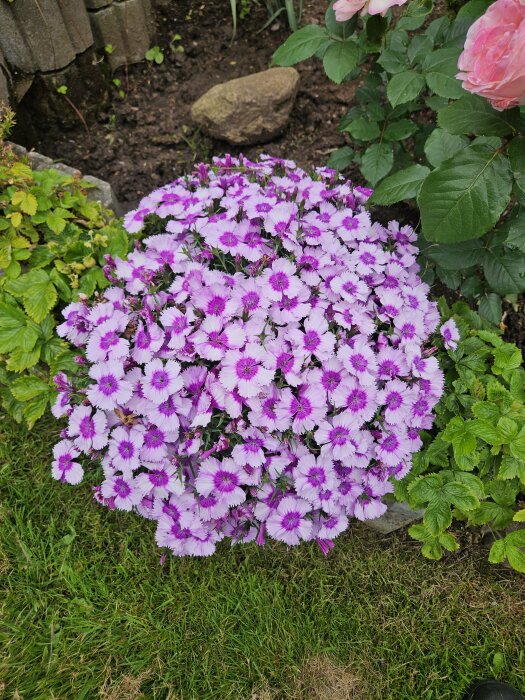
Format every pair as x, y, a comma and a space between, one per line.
52, 246
472, 465
417, 135
154, 55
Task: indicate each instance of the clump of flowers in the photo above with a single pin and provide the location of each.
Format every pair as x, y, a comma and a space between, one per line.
259, 366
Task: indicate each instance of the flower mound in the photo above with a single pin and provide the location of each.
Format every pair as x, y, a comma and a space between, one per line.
257, 369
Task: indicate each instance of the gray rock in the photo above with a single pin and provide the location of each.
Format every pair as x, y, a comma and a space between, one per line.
248, 110
398, 515
4, 82
127, 26
100, 192
44, 35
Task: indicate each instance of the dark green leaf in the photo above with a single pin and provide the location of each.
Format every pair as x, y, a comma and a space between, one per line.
516, 154
490, 308
505, 272
363, 129
465, 196
404, 87
402, 185
300, 45
341, 159
340, 59
402, 129
457, 256
473, 115
377, 161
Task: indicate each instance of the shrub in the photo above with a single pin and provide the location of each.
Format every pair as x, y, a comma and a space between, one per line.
52, 247
259, 367
472, 466
418, 135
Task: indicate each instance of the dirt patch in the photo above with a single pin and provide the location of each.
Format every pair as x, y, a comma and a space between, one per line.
322, 679
126, 688
146, 138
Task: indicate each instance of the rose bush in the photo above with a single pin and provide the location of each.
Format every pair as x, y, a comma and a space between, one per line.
493, 60
259, 367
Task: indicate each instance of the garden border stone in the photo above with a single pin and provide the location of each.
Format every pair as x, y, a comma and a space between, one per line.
398, 515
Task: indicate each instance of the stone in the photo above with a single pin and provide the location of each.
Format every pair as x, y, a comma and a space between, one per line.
248, 110
45, 35
100, 192
128, 26
4, 82
398, 515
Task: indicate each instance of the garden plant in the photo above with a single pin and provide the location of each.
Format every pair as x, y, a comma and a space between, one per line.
437, 124
52, 247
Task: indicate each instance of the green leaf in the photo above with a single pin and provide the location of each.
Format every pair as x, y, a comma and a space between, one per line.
363, 129
341, 158
485, 431
402, 185
490, 308
517, 446
14, 333
118, 243
497, 552
402, 129
440, 68
28, 387
420, 46
404, 87
465, 196
418, 8
473, 115
393, 61
438, 515
504, 271
19, 360
488, 512
35, 409
300, 45
516, 153
516, 558
506, 357
519, 517
25, 201
512, 468
40, 295
515, 228
457, 256
55, 221
340, 59
377, 161
473, 9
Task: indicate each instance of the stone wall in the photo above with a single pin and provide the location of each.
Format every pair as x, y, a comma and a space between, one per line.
43, 41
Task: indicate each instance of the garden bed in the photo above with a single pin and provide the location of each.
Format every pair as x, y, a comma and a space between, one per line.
146, 138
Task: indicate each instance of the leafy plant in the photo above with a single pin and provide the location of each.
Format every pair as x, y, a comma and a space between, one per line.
417, 135
472, 466
52, 246
154, 55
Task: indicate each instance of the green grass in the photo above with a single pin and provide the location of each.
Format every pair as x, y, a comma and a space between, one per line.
86, 611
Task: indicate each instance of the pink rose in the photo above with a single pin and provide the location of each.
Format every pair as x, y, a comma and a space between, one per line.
345, 9
493, 61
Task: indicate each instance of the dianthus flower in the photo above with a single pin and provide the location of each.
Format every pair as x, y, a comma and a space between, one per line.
259, 367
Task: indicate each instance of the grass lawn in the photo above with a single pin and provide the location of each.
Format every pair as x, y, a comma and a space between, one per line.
87, 611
